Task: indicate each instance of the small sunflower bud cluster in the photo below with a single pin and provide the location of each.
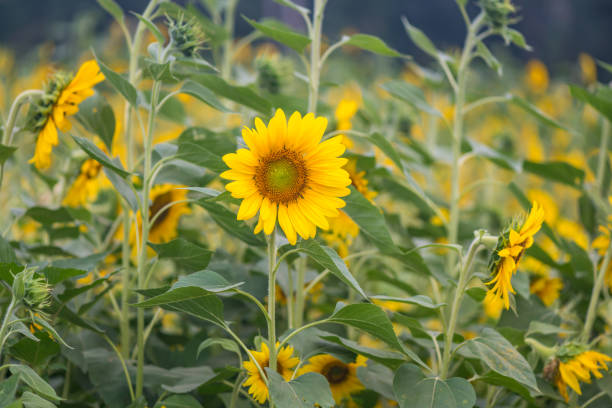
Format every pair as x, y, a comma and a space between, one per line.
498, 12
273, 72
32, 290
186, 35
43, 107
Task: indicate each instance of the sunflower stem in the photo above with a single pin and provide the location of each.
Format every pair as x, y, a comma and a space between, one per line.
5, 322
456, 305
315, 54
298, 319
272, 301
230, 11
599, 281
603, 152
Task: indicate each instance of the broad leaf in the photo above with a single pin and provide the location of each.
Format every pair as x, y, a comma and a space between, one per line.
6, 152
203, 94
226, 219
561, 172
420, 39
306, 391
96, 153
601, 101
239, 94
29, 376
120, 84
185, 254
281, 33
97, 116
373, 44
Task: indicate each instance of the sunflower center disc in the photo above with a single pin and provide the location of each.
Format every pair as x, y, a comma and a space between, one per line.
281, 176
335, 373
158, 203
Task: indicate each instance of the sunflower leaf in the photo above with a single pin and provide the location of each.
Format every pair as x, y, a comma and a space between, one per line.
185, 254
306, 391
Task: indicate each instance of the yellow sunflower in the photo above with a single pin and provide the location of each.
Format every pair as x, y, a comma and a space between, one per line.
341, 376
165, 224
579, 367
87, 184
546, 288
509, 253
536, 76
287, 174
62, 98
285, 362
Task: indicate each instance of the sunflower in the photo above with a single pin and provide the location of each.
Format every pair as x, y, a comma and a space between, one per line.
536, 76
510, 249
573, 365
63, 95
546, 288
287, 174
341, 376
164, 227
284, 366
345, 110
87, 184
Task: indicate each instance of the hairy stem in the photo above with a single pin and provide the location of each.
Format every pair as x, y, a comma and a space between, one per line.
599, 281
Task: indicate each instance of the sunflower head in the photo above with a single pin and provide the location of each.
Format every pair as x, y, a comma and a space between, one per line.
186, 35
288, 174
32, 289
341, 376
285, 362
498, 13
43, 107
165, 211
274, 73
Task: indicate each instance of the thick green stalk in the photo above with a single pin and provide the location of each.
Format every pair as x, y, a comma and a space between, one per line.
142, 254
603, 152
298, 309
315, 55
228, 44
456, 305
272, 300
599, 281
5, 322
134, 50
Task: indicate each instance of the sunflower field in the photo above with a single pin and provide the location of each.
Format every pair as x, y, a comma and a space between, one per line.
192, 218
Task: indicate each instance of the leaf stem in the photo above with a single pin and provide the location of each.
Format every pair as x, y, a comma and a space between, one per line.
272, 301
599, 281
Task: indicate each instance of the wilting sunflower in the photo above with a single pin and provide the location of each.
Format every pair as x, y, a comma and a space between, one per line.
287, 174
62, 97
87, 184
284, 366
573, 364
341, 376
510, 249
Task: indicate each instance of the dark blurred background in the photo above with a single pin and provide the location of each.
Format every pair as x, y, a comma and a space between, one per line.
558, 30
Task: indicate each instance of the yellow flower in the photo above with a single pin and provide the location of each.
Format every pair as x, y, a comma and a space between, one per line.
286, 174
588, 68
579, 368
284, 366
346, 109
63, 104
512, 249
548, 203
493, 306
573, 231
537, 76
165, 224
341, 376
87, 184
546, 288
358, 180
342, 231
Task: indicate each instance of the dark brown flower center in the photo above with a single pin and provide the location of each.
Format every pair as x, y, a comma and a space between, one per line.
335, 372
160, 202
281, 176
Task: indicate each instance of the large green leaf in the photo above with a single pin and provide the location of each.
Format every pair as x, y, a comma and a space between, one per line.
120, 84
281, 33
420, 39
226, 219
388, 358
413, 389
464, 393
385, 145
601, 101
537, 113
30, 377
204, 148
191, 300
239, 94
369, 318
96, 153
373, 44
208, 280
329, 258
306, 391
203, 94
411, 94
370, 220
556, 171
97, 116
56, 275
31, 400
179, 401
493, 350
46, 216
7, 253
8, 388
185, 254
6, 152
112, 8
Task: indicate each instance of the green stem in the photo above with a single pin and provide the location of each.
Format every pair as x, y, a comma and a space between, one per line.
315, 55
457, 298
230, 11
5, 322
290, 298
66, 387
298, 318
592, 310
301, 329
142, 255
272, 300
603, 152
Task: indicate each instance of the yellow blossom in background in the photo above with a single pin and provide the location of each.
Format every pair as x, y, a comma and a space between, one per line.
64, 101
547, 202
512, 249
87, 184
342, 230
530, 138
536, 76
341, 376
286, 174
285, 362
579, 368
546, 288
588, 68
573, 231
166, 219
346, 109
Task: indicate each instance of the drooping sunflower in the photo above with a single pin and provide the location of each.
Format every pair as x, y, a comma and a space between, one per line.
341, 376
285, 362
288, 174
510, 249
574, 364
63, 94
87, 184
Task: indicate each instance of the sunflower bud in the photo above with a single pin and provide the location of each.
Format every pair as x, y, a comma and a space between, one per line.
186, 36
32, 290
498, 13
273, 73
